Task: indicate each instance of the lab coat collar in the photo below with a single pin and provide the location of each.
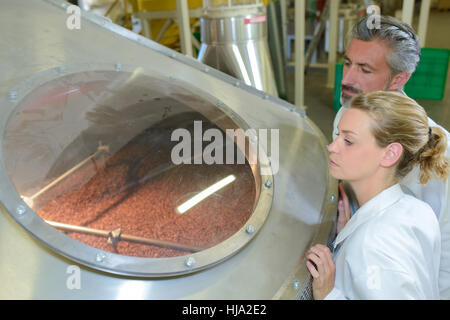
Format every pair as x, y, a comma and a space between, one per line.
369, 210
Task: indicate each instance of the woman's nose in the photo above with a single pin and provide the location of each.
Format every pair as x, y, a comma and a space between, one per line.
332, 146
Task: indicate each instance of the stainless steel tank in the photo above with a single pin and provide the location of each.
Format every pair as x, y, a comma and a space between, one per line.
93, 203
234, 40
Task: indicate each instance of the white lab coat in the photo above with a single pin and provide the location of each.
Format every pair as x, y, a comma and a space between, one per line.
389, 249
436, 194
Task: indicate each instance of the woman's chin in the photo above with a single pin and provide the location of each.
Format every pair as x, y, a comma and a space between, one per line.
335, 174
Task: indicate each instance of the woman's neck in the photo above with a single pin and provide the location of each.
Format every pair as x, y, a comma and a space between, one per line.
368, 189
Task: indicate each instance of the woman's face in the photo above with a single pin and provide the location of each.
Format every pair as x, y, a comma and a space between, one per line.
354, 154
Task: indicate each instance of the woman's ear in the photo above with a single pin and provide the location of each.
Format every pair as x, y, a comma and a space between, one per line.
392, 154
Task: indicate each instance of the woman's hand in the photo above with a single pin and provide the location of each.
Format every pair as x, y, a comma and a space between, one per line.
321, 266
344, 212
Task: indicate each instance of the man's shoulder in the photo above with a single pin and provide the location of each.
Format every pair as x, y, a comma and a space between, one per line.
432, 123
337, 118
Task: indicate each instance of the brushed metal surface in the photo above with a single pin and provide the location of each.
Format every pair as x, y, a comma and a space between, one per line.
35, 38
234, 40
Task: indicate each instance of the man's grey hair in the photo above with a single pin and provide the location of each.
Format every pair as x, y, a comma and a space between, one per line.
399, 36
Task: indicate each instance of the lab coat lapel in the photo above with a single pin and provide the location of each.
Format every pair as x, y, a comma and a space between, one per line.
369, 210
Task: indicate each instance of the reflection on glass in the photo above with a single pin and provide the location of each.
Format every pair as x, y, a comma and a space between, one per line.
205, 194
95, 163
30, 200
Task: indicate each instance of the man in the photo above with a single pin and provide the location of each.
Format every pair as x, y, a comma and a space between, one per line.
383, 58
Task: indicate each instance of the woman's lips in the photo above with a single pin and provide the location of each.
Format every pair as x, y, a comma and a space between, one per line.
333, 164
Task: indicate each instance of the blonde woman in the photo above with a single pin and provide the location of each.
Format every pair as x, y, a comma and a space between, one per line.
390, 247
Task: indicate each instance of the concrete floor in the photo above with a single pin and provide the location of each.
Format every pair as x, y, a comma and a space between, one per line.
319, 98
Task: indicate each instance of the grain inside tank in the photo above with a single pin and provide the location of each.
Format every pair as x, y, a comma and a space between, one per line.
136, 191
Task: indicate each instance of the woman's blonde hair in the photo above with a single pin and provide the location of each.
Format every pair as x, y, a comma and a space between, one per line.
398, 118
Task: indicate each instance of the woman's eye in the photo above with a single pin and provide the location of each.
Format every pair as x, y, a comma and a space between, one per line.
348, 142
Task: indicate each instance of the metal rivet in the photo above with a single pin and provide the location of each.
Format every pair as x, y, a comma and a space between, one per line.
12, 96
237, 83
118, 67
20, 210
332, 198
206, 69
250, 229
268, 184
266, 96
296, 284
62, 70
100, 257
190, 262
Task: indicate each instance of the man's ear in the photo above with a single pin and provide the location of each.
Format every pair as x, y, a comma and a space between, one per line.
399, 81
392, 154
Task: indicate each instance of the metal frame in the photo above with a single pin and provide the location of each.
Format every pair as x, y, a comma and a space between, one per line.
300, 10
333, 44
423, 21
108, 25
116, 263
408, 11
408, 15
291, 288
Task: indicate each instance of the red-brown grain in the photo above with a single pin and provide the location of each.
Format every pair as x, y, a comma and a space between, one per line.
138, 190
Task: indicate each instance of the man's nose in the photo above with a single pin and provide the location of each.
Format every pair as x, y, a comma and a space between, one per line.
348, 75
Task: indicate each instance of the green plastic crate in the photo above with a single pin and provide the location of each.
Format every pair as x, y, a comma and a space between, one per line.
337, 85
429, 79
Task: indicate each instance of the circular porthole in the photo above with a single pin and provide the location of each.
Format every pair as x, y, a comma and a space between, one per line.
131, 172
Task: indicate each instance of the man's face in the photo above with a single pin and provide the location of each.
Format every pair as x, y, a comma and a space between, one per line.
365, 69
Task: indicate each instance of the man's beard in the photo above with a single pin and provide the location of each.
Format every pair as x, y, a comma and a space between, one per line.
345, 99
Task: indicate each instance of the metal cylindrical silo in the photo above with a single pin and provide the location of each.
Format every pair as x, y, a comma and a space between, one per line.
234, 40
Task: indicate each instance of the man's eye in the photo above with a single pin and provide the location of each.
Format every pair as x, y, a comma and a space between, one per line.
365, 71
